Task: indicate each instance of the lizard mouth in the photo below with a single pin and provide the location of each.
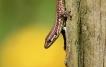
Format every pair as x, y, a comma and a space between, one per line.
46, 46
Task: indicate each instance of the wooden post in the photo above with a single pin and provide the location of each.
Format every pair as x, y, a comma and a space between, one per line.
86, 33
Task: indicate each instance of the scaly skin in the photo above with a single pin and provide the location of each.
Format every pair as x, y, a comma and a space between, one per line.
61, 15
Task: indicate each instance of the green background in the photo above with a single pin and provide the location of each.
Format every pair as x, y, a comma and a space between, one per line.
17, 13
24, 24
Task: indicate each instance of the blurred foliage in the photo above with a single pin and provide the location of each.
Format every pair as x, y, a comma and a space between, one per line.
18, 13
24, 24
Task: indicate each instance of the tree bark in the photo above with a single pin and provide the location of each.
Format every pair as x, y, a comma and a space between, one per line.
86, 33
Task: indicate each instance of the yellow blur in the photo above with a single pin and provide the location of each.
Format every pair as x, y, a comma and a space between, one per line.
25, 48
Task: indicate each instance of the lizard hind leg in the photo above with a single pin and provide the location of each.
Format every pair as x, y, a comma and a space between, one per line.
63, 31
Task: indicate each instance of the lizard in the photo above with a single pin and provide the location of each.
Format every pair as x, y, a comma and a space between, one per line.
59, 25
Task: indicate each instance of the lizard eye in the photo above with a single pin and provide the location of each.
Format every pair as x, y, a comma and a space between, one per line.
49, 41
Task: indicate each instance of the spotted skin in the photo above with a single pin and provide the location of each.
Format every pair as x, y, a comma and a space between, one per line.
61, 14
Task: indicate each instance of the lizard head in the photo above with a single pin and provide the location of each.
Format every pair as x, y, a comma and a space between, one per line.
49, 41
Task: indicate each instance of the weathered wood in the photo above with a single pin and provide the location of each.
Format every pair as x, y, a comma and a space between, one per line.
86, 33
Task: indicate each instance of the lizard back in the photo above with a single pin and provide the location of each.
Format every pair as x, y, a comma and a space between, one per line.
56, 29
